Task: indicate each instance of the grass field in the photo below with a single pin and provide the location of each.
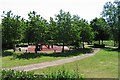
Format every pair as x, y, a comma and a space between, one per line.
107, 43
10, 59
103, 65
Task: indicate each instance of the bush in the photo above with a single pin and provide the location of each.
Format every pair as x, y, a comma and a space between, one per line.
23, 75
64, 75
20, 75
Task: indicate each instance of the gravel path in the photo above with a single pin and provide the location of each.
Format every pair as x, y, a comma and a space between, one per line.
53, 63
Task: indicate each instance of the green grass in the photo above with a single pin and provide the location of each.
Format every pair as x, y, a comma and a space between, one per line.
102, 65
106, 42
10, 59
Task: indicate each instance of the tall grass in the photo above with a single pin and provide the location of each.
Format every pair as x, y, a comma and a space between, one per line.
22, 75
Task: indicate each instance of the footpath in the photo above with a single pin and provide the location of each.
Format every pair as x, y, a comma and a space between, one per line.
54, 63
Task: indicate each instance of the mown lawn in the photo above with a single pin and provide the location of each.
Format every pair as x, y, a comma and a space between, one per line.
102, 65
106, 42
10, 59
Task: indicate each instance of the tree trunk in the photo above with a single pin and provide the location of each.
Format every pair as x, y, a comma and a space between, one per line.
119, 44
83, 45
63, 48
91, 42
119, 32
119, 39
102, 41
99, 42
52, 46
36, 47
28, 42
14, 47
119, 27
41, 47
48, 46
114, 43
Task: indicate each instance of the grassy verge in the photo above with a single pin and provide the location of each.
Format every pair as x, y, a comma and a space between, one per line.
107, 43
103, 65
10, 59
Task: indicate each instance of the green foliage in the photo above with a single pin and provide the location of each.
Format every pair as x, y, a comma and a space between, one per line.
65, 29
82, 31
22, 75
87, 34
24, 26
76, 28
36, 31
61, 74
111, 13
36, 28
11, 29
102, 31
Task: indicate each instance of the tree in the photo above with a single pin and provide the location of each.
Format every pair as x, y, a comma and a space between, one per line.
51, 31
111, 13
0, 38
64, 28
118, 24
101, 29
82, 31
24, 26
87, 34
36, 30
76, 31
11, 29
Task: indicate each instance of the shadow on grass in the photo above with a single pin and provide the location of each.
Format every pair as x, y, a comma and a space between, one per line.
7, 53
60, 54
107, 48
111, 49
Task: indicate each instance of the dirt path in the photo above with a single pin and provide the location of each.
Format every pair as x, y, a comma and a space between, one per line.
53, 63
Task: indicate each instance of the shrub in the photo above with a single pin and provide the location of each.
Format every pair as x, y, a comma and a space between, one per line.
99, 46
20, 75
23, 75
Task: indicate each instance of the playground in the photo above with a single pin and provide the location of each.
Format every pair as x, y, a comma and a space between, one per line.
45, 48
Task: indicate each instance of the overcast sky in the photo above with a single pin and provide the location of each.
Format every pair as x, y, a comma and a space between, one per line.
87, 9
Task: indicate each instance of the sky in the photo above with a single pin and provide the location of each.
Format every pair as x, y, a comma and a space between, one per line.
87, 9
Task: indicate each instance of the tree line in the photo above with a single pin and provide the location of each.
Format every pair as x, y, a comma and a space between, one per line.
65, 29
